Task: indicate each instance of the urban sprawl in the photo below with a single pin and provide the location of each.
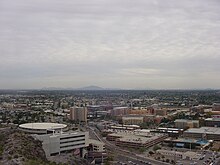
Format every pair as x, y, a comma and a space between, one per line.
118, 127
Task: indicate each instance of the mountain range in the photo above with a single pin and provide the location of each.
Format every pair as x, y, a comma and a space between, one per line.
86, 88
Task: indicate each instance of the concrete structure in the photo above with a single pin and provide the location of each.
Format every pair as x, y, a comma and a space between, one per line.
78, 114
208, 133
183, 124
183, 155
117, 111
57, 143
216, 107
42, 128
132, 120
213, 122
186, 143
172, 132
149, 118
96, 145
136, 139
160, 112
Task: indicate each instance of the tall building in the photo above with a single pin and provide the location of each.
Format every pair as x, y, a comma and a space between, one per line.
78, 114
117, 111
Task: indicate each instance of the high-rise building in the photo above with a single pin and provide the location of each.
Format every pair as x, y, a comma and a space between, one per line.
78, 114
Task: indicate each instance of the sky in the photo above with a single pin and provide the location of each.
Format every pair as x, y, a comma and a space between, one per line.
129, 44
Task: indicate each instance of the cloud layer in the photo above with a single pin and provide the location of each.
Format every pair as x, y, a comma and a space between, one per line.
110, 43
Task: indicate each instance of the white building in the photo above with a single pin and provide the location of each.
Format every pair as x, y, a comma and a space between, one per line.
97, 146
183, 155
42, 128
57, 143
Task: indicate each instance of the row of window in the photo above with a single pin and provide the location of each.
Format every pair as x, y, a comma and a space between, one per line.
72, 141
70, 137
72, 145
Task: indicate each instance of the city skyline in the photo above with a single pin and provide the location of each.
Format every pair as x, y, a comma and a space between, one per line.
123, 44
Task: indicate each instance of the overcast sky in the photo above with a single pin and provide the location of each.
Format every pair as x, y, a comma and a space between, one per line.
169, 44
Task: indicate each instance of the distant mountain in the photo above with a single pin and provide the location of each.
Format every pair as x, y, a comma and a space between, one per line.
91, 88
54, 88
86, 88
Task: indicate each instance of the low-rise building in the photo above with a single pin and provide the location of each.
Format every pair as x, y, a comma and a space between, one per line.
183, 155
216, 107
160, 112
96, 145
186, 143
132, 120
183, 124
117, 111
208, 133
213, 122
136, 139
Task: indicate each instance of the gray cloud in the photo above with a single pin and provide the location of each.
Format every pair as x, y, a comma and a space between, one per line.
117, 43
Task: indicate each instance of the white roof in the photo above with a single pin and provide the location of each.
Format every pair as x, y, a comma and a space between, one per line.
42, 126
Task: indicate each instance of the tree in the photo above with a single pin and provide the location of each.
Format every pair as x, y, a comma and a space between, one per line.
156, 147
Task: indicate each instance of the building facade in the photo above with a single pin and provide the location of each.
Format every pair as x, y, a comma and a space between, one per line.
117, 111
57, 143
207, 133
216, 107
212, 122
183, 124
132, 120
79, 114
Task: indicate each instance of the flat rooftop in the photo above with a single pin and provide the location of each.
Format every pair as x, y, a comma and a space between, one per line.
137, 137
185, 120
184, 140
212, 119
42, 126
205, 130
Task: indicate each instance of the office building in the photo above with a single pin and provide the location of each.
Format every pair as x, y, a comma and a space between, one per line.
160, 112
213, 122
54, 140
78, 114
183, 155
97, 146
61, 142
216, 107
207, 133
130, 120
136, 139
184, 124
118, 111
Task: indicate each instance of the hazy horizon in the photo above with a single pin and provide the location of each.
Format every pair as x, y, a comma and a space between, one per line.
156, 44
